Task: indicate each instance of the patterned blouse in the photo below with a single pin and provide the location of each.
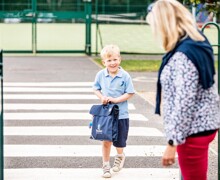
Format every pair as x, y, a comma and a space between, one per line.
187, 107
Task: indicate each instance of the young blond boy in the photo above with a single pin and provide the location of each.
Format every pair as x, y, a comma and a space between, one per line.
114, 85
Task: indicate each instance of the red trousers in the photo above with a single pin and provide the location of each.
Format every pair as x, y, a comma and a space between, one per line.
193, 157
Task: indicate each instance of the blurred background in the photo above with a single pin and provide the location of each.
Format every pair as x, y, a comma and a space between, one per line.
85, 26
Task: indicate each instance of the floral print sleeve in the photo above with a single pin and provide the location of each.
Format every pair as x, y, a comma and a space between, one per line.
182, 95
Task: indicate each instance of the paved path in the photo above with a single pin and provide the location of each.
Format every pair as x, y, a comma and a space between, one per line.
47, 100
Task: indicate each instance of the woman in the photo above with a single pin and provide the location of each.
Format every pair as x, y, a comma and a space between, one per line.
186, 79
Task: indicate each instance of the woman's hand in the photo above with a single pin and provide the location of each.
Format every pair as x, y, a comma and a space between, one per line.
169, 156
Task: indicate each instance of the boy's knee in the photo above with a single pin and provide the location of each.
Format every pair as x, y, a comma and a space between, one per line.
106, 144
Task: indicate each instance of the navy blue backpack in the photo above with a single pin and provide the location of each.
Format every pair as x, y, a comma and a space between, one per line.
105, 122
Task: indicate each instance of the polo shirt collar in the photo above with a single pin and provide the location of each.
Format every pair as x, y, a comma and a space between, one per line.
119, 74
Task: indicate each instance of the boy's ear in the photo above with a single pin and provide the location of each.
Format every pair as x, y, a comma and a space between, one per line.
103, 62
120, 59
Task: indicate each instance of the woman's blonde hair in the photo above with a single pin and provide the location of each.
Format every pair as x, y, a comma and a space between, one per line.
170, 20
110, 50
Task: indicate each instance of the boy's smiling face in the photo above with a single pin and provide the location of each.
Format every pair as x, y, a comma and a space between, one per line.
112, 63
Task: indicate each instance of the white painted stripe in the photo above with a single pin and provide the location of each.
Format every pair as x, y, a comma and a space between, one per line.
78, 150
53, 89
91, 174
47, 116
137, 117
145, 79
213, 151
58, 116
72, 131
48, 84
49, 96
10, 106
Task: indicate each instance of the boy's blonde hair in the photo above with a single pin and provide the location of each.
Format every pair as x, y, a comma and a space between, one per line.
110, 50
170, 20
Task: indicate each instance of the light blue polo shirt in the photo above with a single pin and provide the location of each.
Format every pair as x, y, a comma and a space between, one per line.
115, 87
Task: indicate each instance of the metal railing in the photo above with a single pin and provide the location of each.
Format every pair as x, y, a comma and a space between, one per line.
2, 122
218, 45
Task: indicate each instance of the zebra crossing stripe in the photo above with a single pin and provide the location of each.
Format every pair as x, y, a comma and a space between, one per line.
28, 106
20, 151
47, 84
72, 131
50, 96
79, 151
59, 116
91, 174
42, 89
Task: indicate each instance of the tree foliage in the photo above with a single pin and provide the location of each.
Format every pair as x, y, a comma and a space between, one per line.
211, 5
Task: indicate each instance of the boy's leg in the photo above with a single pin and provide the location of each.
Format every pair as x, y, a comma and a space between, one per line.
119, 150
123, 126
119, 160
106, 149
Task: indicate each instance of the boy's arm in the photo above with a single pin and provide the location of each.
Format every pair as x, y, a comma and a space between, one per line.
103, 99
120, 99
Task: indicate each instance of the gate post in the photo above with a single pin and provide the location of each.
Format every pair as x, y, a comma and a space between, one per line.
34, 28
218, 45
1, 123
88, 12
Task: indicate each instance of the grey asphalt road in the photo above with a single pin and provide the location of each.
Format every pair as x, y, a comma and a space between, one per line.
81, 69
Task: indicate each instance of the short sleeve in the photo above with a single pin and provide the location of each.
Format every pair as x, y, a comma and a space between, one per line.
129, 86
96, 84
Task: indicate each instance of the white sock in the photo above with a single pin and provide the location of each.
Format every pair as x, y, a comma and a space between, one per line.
106, 163
121, 155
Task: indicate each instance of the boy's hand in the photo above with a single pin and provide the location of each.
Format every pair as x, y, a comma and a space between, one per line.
104, 100
113, 100
120, 99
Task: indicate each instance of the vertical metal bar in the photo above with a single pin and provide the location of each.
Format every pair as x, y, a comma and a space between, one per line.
78, 5
29, 4
103, 6
96, 37
88, 10
53, 5
218, 28
1, 123
219, 94
3, 5
86, 16
218, 63
128, 6
34, 27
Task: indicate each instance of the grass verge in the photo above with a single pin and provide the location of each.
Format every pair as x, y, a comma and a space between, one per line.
138, 65
141, 65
